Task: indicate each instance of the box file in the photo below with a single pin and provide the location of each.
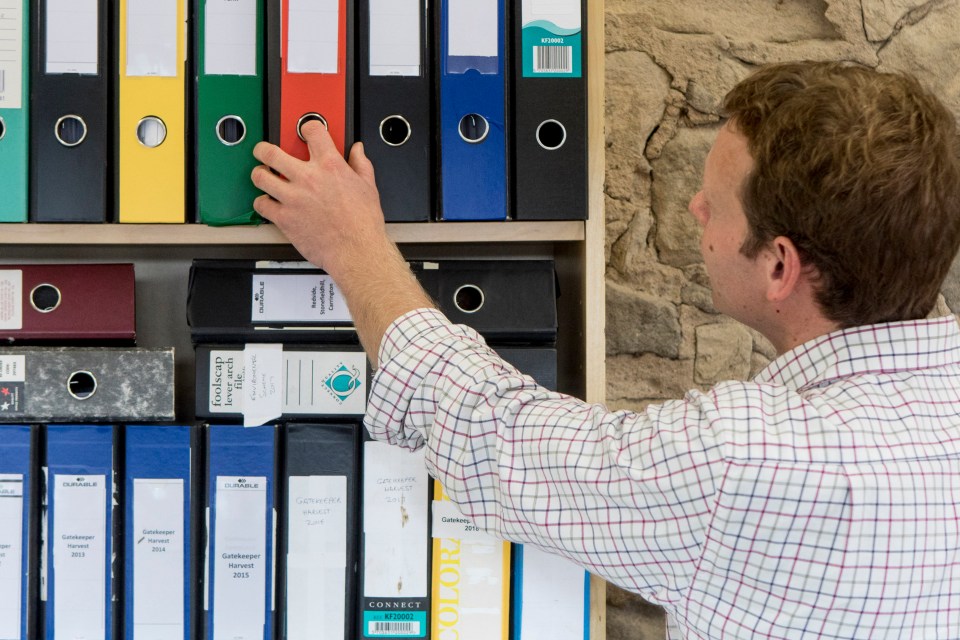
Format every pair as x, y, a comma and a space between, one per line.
248, 301
506, 301
67, 303
241, 517
551, 597
78, 590
86, 384
229, 95
70, 111
257, 384
14, 111
317, 568
395, 557
19, 535
549, 112
162, 491
395, 103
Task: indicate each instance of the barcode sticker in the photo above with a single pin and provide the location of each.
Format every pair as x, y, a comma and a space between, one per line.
380, 628
552, 59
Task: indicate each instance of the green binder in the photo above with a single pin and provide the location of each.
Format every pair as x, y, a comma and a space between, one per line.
14, 110
229, 40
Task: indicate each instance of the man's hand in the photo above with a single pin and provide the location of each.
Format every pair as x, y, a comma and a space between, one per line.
330, 211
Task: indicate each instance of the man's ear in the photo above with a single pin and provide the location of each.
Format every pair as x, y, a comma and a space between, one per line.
784, 269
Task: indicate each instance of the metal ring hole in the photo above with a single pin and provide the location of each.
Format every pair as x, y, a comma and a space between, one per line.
474, 128
3, 128
151, 132
231, 131
45, 298
395, 130
70, 130
81, 385
307, 117
551, 135
468, 298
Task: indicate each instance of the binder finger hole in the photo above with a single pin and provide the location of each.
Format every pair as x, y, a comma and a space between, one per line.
3, 128
45, 298
307, 117
395, 130
468, 298
474, 128
231, 130
151, 132
551, 135
81, 385
70, 130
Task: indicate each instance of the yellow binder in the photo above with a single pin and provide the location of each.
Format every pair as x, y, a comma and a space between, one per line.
151, 129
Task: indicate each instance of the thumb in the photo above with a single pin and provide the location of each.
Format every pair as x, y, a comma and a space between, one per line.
360, 163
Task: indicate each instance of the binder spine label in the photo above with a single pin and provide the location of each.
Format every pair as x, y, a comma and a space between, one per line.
11, 65
394, 38
152, 38
11, 296
158, 560
11, 554
552, 39
230, 37
297, 298
313, 38
72, 37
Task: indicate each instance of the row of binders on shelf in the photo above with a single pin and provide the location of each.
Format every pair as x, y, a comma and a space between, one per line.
147, 111
296, 531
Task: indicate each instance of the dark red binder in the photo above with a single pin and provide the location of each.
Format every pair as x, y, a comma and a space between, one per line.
67, 303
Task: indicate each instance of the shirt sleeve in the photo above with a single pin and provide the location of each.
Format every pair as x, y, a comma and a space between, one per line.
627, 495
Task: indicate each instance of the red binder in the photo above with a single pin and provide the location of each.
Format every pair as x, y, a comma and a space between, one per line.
67, 303
306, 92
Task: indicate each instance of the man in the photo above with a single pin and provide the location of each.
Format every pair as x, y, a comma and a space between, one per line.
819, 500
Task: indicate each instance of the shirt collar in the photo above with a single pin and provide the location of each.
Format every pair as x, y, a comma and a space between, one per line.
877, 348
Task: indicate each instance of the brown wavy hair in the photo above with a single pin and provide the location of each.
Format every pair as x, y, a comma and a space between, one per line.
861, 170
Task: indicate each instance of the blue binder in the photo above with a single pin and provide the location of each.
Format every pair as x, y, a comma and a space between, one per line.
549, 592
159, 499
80, 541
18, 458
473, 127
241, 463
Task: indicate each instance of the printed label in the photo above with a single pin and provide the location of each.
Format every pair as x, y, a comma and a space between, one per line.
448, 522
552, 38
11, 554
297, 297
11, 295
72, 36
158, 543
11, 63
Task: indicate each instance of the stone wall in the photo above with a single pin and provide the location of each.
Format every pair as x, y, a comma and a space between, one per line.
668, 66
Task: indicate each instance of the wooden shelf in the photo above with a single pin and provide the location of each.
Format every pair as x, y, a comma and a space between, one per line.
198, 234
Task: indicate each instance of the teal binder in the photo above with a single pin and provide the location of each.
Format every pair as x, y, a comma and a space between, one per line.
14, 107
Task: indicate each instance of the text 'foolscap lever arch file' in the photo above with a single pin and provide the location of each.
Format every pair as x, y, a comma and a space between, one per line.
70, 111
151, 121
395, 104
229, 45
473, 124
316, 77
395, 557
79, 596
161, 489
241, 498
67, 302
14, 108
19, 538
549, 110
317, 568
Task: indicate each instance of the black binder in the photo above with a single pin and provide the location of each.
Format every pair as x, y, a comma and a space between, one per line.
506, 301
540, 363
549, 117
396, 121
69, 123
321, 487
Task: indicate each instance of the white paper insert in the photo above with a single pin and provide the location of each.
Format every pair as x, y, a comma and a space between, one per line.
448, 522
297, 297
152, 38
79, 556
158, 544
394, 37
316, 556
72, 35
263, 393
11, 553
11, 58
553, 597
11, 294
313, 36
473, 28
230, 37
240, 564
395, 513
565, 14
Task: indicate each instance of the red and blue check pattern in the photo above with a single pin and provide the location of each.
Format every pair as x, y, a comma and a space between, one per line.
821, 500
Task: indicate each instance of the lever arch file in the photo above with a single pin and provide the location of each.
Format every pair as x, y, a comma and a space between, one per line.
14, 110
19, 536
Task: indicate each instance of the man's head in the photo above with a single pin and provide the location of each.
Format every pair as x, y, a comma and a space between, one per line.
861, 171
